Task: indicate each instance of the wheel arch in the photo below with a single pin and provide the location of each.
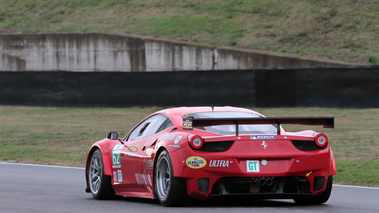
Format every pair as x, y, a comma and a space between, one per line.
91, 151
107, 161
173, 157
106, 154
176, 193
161, 149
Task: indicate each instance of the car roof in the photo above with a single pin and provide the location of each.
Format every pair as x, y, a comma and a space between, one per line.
176, 114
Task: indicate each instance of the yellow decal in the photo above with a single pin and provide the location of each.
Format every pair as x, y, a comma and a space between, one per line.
309, 173
187, 124
133, 148
195, 162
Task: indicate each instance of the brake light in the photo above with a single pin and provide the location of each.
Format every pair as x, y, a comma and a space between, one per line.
321, 140
196, 141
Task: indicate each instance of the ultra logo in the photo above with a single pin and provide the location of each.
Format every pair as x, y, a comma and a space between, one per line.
219, 163
195, 162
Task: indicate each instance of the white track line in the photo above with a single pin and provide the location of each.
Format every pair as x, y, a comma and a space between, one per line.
359, 187
40, 165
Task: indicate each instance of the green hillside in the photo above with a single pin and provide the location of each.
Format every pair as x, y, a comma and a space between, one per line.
344, 30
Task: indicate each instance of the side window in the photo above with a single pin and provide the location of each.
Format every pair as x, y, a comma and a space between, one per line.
149, 127
165, 125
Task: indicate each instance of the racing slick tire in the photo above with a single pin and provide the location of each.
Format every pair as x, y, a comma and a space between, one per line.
170, 191
99, 184
320, 198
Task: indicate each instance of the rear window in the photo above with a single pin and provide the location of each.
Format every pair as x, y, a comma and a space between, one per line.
231, 129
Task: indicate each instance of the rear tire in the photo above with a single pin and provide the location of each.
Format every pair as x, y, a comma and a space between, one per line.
170, 191
99, 184
320, 198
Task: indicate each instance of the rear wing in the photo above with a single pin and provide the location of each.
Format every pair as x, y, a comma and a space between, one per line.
189, 121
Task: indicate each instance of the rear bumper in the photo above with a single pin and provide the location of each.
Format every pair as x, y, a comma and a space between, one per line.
262, 187
282, 173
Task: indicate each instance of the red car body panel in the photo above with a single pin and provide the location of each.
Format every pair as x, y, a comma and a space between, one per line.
276, 156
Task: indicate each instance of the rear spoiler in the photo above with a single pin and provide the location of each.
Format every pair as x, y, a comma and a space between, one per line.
189, 121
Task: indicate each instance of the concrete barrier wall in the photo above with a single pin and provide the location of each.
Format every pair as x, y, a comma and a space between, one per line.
330, 87
89, 52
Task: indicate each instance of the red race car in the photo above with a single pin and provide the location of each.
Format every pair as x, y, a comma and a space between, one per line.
204, 152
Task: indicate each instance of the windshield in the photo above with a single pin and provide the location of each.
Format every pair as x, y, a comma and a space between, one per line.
231, 129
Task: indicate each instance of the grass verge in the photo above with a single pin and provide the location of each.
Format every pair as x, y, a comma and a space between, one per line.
62, 136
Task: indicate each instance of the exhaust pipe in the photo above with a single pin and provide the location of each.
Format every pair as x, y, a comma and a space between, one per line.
265, 181
261, 181
269, 181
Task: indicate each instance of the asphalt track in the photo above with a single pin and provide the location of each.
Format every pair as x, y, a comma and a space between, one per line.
28, 188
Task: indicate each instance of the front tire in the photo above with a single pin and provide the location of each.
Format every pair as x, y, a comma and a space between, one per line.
170, 191
320, 198
99, 183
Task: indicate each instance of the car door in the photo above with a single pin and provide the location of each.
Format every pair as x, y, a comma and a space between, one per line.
136, 161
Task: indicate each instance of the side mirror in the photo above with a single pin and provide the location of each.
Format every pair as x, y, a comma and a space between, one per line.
112, 135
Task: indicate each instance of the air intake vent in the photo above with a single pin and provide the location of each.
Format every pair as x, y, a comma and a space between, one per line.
203, 184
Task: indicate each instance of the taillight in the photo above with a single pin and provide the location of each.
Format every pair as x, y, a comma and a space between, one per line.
321, 140
196, 141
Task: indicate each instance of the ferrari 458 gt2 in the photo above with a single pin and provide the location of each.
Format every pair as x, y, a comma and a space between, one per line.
204, 152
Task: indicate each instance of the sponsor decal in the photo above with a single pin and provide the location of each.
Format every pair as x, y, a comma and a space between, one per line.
116, 156
119, 175
177, 139
187, 124
163, 137
174, 145
143, 179
170, 137
195, 162
255, 137
149, 164
133, 148
252, 166
219, 163
114, 176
